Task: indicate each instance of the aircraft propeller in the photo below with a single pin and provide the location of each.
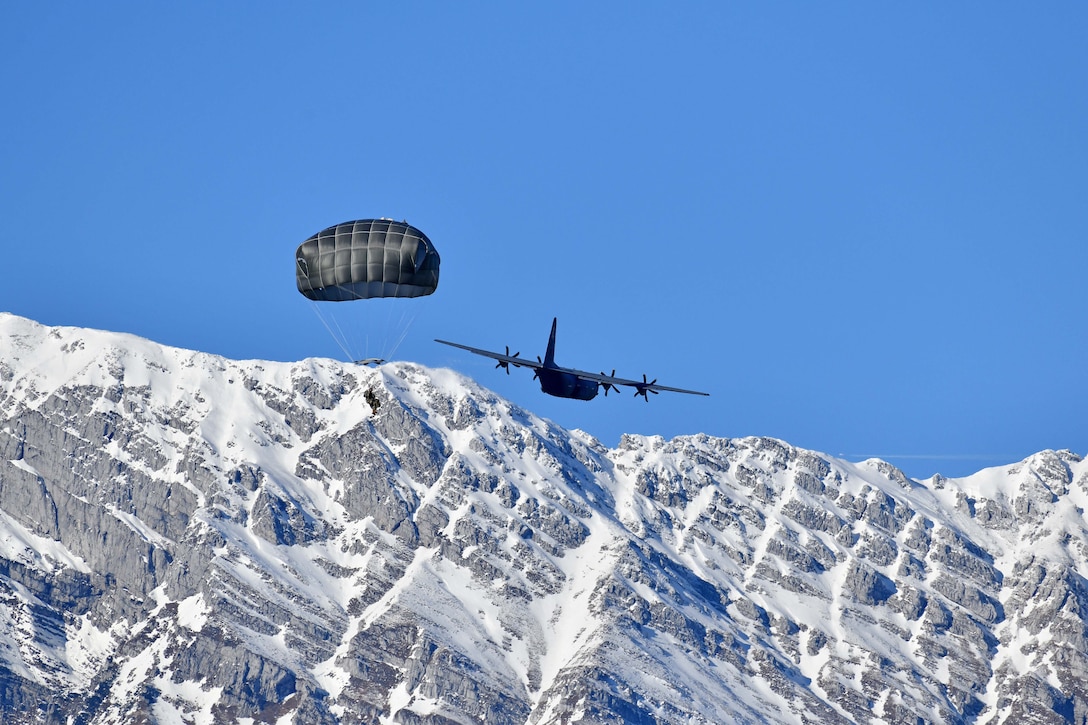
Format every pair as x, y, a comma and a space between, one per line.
644, 388
505, 364
609, 386
536, 371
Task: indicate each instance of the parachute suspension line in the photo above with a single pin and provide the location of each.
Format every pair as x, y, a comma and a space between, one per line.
335, 337
404, 332
350, 343
347, 345
340, 339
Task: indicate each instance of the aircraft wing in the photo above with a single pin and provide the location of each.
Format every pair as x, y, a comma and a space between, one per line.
514, 360
639, 385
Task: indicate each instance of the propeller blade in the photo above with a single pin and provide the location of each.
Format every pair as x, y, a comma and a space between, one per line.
644, 389
609, 386
505, 364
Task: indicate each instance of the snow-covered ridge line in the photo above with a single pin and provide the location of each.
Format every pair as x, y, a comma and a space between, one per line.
189, 538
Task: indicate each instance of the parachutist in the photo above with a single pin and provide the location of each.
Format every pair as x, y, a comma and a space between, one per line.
372, 400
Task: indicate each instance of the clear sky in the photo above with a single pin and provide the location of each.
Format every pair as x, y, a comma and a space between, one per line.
862, 227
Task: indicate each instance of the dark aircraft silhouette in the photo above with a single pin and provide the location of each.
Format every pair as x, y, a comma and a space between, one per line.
566, 382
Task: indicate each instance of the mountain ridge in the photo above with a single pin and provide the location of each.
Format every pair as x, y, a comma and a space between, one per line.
186, 538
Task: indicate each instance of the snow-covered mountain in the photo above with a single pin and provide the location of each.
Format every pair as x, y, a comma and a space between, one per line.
190, 539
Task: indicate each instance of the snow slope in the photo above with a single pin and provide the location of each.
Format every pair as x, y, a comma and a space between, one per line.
185, 538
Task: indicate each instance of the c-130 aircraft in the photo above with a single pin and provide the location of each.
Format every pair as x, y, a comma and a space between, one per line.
567, 382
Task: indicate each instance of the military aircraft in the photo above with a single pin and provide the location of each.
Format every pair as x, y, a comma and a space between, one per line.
566, 382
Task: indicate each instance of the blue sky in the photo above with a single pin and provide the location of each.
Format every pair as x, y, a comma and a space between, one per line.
861, 227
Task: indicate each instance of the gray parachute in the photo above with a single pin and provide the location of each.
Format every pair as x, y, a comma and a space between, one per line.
368, 258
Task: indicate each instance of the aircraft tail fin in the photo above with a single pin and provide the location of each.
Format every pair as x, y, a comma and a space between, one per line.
549, 356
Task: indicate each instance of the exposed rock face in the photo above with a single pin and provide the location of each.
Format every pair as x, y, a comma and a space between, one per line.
185, 538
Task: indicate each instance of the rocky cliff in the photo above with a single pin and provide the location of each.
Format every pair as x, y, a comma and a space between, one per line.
185, 538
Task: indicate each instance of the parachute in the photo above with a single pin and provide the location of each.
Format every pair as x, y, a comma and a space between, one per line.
368, 258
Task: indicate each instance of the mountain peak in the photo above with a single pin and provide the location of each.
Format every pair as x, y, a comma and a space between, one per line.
184, 536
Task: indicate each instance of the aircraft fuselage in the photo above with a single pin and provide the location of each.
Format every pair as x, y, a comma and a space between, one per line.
566, 385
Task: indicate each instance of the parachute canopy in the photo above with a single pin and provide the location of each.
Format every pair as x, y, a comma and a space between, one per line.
367, 258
